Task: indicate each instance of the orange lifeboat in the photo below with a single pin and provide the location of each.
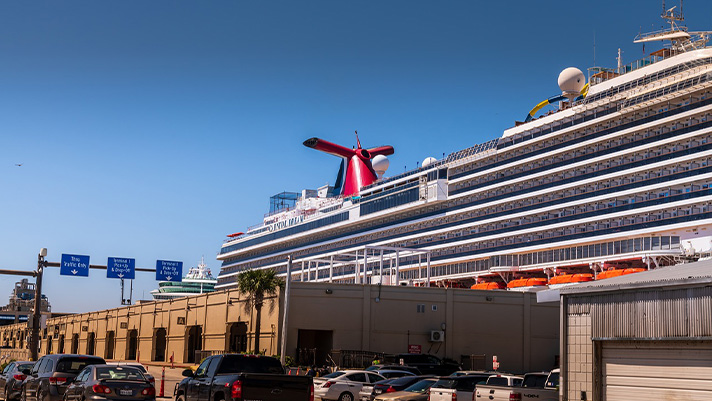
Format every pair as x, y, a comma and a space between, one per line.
526, 282
492, 285
617, 272
571, 278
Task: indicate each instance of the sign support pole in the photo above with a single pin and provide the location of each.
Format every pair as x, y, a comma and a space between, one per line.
285, 320
35, 334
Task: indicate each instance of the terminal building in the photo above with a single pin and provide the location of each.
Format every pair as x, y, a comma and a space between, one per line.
327, 324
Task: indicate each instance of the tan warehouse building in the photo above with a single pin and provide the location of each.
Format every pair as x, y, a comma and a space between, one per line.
322, 318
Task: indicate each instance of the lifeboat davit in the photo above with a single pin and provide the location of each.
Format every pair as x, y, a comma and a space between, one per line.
571, 278
617, 272
526, 282
492, 285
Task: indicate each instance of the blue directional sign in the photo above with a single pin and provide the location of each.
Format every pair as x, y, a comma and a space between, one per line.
121, 268
167, 270
74, 265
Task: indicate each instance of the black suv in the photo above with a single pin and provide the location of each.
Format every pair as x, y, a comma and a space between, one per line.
49, 378
426, 364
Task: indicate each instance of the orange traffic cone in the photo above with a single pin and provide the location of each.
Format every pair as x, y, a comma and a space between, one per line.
163, 380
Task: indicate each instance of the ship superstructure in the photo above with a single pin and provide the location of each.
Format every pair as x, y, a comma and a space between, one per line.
617, 178
21, 303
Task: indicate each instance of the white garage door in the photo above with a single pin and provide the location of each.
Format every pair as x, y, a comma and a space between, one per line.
669, 371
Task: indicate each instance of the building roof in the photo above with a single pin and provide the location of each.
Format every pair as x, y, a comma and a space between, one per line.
697, 274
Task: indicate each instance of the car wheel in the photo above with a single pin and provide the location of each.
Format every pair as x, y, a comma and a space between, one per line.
346, 397
180, 397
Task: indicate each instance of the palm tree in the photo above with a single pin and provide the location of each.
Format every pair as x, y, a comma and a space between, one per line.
257, 283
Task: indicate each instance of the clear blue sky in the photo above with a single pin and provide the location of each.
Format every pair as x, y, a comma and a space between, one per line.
153, 129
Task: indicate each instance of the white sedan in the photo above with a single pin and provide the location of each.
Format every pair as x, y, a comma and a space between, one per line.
343, 385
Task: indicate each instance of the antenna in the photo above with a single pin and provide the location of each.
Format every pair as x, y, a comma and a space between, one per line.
594, 47
671, 15
357, 140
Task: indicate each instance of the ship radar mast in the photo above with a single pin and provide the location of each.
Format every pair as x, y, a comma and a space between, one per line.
680, 39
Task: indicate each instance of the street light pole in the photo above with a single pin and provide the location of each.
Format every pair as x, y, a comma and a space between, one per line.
36, 313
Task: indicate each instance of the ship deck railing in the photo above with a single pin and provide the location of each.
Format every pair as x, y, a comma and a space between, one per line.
326, 208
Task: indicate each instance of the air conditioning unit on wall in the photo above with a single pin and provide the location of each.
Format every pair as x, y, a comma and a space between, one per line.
437, 336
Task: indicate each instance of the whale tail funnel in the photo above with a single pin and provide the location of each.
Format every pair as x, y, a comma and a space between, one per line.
356, 171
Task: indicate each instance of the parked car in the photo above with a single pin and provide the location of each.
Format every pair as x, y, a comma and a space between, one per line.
367, 389
500, 387
235, 377
104, 382
11, 379
50, 376
472, 372
416, 392
548, 392
137, 366
457, 387
344, 385
406, 368
427, 364
395, 385
392, 374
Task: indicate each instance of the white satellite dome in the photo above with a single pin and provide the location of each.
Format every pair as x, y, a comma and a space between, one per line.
571, 82
428, 161
380, 164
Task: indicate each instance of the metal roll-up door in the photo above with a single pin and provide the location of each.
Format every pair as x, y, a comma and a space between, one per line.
667, 371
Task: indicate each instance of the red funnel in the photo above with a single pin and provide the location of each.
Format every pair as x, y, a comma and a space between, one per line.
359, 171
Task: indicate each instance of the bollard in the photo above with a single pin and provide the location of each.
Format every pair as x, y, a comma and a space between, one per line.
298, 370
163, 379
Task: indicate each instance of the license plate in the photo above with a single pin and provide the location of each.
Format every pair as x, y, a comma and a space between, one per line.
125, 392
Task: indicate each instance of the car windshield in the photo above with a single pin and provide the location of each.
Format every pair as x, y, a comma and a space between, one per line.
239, 363
119, 373
24, 366
335, 374
444, 383
553, 380
75, 365
497, 381
534, 381
420, 387
374, 367
401, 381
139, 367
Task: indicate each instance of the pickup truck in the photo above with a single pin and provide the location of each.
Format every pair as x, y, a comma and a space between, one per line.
499, 388
548, 392
234, 377
456, 387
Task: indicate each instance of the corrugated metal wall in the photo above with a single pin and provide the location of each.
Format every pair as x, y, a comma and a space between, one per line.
650, 314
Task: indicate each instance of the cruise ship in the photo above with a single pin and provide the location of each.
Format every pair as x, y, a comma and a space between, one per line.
199, 280
616, 179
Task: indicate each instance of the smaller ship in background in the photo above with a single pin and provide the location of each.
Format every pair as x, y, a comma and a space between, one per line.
199, 280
